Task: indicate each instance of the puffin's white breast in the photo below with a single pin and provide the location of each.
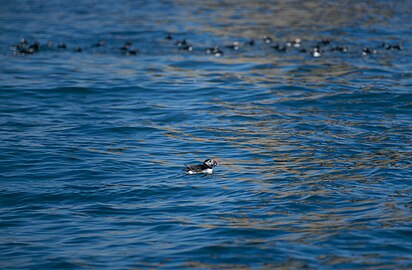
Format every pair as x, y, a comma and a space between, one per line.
206, 171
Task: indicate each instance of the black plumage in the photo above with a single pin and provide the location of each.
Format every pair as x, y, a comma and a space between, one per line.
208, 164
196, 167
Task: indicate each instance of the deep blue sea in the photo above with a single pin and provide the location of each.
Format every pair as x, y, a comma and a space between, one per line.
305, 105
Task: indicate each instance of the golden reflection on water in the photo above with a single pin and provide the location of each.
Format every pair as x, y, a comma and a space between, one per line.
235, 16
303, 159
294, 167
271, 140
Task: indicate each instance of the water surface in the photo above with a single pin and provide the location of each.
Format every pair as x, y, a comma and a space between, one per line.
314, 153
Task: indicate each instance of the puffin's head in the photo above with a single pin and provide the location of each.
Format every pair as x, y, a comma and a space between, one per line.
210, 163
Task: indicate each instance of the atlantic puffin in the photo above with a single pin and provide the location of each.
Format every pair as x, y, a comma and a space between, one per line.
206, 167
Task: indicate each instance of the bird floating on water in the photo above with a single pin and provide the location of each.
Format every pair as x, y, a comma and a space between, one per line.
206, 167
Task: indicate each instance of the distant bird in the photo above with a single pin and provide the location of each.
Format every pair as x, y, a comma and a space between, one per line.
316, 52
62, 46
206, 167
215, 51
366, 51
296, 43
126, 46
184, 45
397, 46
35, 47
340, 49
267, 39
234, 46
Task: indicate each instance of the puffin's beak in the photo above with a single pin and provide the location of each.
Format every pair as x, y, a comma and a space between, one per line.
214, 163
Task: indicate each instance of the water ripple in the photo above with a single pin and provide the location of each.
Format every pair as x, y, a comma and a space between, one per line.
313, 152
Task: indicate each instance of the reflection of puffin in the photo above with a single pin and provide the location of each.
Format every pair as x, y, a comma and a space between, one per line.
206, 167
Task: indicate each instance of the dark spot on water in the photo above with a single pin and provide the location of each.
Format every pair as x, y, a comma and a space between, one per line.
339, 49
126, 46
250, 42
100, 43
279, 48
324, 42
133, 52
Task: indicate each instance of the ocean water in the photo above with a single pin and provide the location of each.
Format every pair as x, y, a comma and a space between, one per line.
313, 136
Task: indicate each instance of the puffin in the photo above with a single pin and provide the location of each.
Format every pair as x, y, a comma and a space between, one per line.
206, 167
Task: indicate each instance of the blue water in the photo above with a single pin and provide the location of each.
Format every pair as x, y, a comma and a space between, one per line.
314, 153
